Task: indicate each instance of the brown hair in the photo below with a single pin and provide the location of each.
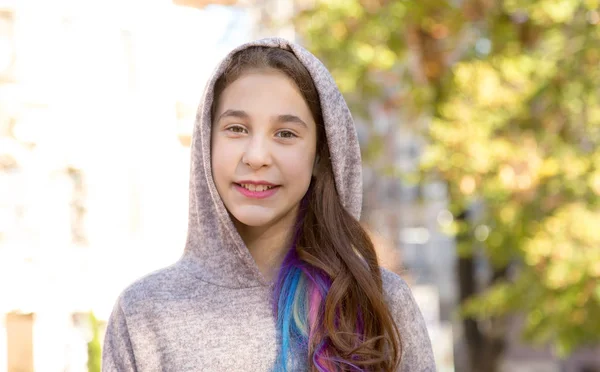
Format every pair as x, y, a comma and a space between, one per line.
332, 240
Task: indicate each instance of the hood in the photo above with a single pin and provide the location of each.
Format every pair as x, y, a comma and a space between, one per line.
214, 249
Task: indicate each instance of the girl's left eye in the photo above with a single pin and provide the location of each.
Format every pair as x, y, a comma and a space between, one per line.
286, 134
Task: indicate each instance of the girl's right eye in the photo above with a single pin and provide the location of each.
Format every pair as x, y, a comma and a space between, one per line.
236, 129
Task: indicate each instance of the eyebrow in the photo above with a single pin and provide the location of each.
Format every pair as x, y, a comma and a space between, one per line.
286, 118
234, 113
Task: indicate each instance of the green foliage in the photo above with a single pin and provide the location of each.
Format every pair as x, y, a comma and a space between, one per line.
94, 346
509, 94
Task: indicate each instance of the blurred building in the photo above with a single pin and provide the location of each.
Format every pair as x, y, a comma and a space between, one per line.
411, 216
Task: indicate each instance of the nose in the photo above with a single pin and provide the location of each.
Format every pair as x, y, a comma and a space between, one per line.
257, 153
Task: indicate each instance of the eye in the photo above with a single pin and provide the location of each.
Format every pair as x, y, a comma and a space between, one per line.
236, 129
286, 134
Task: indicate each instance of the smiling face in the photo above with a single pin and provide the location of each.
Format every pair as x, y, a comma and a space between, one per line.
263, 149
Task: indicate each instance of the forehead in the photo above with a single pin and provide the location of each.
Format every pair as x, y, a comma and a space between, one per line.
264, 92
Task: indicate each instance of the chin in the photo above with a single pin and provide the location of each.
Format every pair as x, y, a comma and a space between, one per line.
253, 217
253, 221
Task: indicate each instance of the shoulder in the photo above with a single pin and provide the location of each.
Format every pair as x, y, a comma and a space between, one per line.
417, 353
401, 303
395, 289
136, 306
169, 283
398, 294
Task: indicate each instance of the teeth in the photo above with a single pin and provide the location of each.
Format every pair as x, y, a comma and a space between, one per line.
256, 188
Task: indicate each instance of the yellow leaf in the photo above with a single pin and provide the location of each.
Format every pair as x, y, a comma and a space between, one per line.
549, 168
594, 182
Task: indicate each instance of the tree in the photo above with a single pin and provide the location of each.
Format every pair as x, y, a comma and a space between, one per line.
94, 346
506, 95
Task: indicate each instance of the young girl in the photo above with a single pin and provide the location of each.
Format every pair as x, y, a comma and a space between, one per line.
277, 273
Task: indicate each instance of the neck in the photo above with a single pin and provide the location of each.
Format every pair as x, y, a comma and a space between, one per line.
268, 245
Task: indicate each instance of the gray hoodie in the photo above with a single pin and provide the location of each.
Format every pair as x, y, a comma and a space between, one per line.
211, 310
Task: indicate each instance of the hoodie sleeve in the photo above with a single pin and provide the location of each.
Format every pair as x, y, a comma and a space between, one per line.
417, 353
117, 354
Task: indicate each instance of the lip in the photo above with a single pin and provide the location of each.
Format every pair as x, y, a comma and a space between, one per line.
256, 194
248, 182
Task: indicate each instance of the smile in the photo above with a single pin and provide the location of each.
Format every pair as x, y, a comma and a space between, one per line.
255, 191
259, 188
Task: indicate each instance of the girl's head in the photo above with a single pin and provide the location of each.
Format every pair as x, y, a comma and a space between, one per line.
268, 126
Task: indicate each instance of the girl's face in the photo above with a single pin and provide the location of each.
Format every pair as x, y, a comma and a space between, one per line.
263, 148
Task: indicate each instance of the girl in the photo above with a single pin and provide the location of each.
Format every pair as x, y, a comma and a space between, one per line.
277, 273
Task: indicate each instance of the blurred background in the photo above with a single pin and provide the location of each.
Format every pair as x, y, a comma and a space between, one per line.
479, 122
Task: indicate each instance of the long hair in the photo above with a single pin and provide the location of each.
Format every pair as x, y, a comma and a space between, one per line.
328, 298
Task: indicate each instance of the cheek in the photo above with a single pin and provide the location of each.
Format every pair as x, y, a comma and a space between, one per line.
221, 159
299, 163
